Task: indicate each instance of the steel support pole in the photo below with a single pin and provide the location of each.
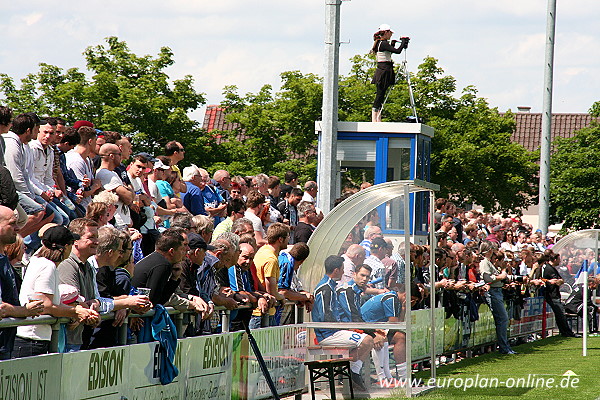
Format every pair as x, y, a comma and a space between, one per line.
327, 164
407, 282
432, 274
544, 191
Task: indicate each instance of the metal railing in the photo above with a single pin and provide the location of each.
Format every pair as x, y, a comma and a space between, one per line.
178, 319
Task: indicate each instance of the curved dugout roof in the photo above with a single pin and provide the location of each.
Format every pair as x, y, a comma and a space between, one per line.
330, 234
585, 239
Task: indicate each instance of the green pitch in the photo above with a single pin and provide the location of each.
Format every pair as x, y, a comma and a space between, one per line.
553, 368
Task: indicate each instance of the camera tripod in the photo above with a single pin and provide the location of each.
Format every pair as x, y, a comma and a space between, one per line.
404, 70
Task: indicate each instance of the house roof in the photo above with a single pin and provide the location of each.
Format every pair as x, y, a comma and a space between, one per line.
528, 128
214, 119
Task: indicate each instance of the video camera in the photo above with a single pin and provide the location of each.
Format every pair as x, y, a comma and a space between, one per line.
515, 278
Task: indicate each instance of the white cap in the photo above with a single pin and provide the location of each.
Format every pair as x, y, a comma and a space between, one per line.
159, 165
385, 27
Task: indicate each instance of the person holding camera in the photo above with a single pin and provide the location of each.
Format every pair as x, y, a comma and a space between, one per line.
494, 297
384, 74
550, 261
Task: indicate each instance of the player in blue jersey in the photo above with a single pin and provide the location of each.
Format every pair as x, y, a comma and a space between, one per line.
350, 296
387, 307
327, 309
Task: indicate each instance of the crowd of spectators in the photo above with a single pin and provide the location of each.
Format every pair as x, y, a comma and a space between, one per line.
479, 259
87, 228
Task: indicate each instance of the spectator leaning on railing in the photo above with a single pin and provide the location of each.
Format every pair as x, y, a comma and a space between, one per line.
267, 267
109, 255
9, 294
41, 282
494, 277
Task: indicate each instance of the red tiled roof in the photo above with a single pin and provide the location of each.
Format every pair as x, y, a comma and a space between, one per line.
529, 127
214, 120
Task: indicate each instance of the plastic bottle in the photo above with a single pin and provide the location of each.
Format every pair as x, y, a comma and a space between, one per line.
67, 202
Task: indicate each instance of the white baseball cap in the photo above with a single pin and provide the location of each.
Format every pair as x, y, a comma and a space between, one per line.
385, 27
159, 165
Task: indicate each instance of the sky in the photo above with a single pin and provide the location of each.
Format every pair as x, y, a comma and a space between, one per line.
498, 47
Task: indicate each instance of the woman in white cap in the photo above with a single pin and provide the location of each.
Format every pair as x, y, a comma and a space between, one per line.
384, 74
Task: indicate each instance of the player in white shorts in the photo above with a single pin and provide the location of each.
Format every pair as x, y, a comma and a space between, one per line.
327, 309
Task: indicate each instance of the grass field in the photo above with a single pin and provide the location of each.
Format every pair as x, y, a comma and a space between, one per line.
537, 372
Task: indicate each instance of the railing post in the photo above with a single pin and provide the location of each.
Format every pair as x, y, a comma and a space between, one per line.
54, 338
300, 320
225, 319
122, 332
179, 324
299, 317
544, 322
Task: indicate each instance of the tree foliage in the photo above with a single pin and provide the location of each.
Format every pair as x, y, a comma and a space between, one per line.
278, 130
474, 160
574, 184
125, 93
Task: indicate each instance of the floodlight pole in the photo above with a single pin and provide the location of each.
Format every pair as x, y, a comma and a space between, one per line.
544, 191
327, 167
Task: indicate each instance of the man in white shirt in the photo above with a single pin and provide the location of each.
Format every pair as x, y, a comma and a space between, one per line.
42, 160
24, 127
157, 174
378, 253
254, 209
111, 158
310, 192
79, 161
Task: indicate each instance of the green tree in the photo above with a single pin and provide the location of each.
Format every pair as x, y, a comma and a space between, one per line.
276, 130
574, 184
126, 93
473, 158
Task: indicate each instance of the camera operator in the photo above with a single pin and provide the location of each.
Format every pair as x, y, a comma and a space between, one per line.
513, 285
574, 304
384, 74
550, 261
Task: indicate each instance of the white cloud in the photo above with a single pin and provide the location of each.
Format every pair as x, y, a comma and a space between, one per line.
32, 19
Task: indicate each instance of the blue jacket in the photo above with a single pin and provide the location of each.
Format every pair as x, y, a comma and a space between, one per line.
326, 307
163, 330
193, 200
381, 307
286, 270
350, 302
